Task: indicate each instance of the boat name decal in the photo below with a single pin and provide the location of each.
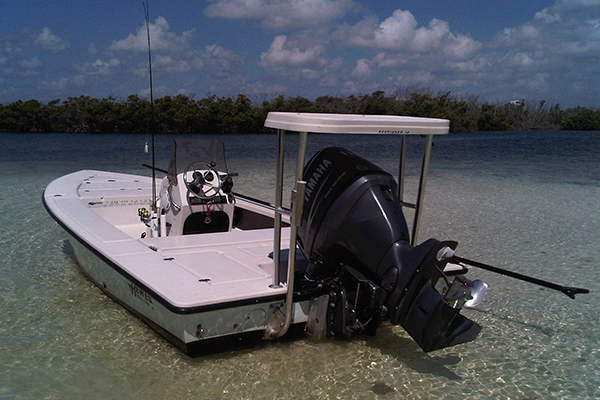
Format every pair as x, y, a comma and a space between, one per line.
140, 294
118, 202
394, 131
314, 179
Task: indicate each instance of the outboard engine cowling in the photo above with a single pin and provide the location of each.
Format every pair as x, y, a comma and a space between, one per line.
362, 197
356, 239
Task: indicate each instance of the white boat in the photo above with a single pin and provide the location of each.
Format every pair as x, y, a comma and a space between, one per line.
202, 265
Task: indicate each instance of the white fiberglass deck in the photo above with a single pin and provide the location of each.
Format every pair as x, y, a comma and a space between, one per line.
197, 270
100, 209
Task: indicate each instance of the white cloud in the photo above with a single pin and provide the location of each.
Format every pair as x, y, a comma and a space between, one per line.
33, 62
426, 39
546, 16
384, 60
157, 91
282, 13
275, 88
567, 27
300, 61
548, 57
522, 59
63, 83
170, 64
574, 4
99, 67
469, 66
213, 60
161, 39
552, 56
362, 68
280, 55
351, 87
176, 61
422, 78
218, 62
224, 57
527, 34
50, 41
459, 47
399, 32
396, 32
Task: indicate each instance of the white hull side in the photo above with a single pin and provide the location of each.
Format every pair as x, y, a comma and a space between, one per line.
183, 329
187, 326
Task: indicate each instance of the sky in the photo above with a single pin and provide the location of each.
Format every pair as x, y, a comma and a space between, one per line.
495, 50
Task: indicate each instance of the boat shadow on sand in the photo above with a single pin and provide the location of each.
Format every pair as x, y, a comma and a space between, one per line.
69, 251
406, 351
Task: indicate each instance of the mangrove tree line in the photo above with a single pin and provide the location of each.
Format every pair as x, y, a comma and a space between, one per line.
183, 114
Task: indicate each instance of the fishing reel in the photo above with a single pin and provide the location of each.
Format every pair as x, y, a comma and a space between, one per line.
145, 216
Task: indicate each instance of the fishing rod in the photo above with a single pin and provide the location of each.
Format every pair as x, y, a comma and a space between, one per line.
569, 291
151, 124
164, 171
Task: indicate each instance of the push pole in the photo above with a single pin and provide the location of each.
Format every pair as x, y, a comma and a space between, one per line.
569, 291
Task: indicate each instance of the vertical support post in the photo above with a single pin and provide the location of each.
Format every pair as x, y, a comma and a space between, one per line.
296, 219
421, 193
401, 169
297, 207
301, 155
278, 203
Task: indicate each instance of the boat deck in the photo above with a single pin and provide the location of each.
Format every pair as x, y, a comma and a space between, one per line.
198, 270
186, 271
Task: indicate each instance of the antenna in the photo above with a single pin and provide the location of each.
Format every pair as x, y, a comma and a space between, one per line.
146, 5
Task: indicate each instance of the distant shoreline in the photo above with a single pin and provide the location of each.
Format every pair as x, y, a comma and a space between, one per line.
182, 114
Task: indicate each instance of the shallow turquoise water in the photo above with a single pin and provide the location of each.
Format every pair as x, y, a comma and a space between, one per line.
527, 201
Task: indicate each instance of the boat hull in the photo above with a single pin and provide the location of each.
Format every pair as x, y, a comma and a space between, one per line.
195, 329
191, 332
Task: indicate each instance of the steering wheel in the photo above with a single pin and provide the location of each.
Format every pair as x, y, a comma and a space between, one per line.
206, 183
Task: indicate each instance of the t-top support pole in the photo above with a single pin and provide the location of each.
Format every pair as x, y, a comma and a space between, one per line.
297, 207
421, 193
278, 206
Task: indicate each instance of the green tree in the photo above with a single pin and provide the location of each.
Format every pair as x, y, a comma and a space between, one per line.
491, 119
581, 118
183, 114
135, 115
376, 104
330, 104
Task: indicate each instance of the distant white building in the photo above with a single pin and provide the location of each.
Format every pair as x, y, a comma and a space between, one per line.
516, 102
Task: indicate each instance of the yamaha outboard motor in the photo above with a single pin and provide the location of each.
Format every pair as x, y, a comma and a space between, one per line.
356, 239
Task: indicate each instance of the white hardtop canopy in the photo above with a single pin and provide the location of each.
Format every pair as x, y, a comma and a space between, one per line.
356, 123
